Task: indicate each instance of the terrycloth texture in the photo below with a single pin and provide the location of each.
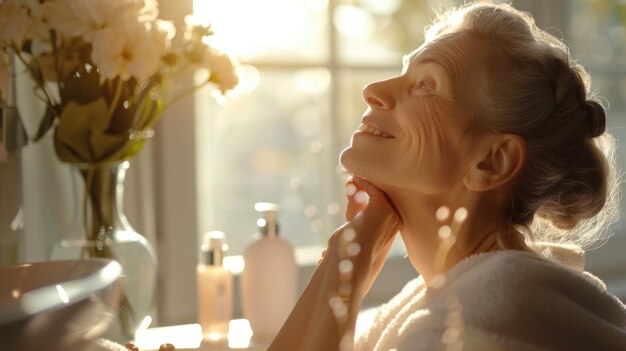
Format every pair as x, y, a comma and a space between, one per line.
504, 300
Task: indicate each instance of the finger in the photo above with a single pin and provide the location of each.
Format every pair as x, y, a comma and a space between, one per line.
355, 197
373, 192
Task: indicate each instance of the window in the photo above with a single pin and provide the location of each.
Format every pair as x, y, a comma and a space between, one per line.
280, 143
596, 31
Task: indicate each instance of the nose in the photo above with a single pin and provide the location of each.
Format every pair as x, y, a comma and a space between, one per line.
378, 95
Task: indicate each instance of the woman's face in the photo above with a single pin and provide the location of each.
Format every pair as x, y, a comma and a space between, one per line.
412, 133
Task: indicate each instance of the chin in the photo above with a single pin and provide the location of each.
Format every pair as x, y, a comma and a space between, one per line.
346, 160
353, 163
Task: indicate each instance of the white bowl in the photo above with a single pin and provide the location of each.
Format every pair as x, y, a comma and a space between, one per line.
57, 305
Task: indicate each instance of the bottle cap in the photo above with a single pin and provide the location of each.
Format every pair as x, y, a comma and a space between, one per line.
268, 223
213, 248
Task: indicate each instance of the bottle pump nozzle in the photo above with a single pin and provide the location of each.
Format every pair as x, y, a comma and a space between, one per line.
213, 248
268, 224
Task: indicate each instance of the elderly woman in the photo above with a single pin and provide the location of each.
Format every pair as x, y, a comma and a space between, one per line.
486, 147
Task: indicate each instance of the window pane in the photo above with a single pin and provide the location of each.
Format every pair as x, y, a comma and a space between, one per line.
598, 39
268, 30
377, 32
259, 148
598, 32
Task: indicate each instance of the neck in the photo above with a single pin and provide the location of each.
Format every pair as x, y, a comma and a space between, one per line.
431, 255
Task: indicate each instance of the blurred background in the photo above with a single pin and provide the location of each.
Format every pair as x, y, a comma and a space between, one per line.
305, 63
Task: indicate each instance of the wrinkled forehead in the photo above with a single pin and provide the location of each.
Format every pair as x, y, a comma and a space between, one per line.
463, 56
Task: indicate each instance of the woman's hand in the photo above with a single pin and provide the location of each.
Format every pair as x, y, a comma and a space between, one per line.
321, 321
372, 225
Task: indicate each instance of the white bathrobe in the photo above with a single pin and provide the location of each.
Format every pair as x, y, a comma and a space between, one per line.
504, 300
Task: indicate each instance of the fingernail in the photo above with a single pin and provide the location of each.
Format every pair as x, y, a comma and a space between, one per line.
362, 197
350, 189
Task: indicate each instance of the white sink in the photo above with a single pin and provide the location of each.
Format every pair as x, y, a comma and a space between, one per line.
57, 305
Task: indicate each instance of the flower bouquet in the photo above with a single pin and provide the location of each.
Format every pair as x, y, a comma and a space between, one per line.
106, 70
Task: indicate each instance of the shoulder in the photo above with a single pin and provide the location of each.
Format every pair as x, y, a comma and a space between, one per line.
516, 298
508, 269
516, 280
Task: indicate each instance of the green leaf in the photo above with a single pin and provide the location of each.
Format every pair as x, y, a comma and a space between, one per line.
77, 125
122, 119
83, 89
83, 135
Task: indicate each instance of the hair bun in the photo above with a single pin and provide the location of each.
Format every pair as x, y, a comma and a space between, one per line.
596, 118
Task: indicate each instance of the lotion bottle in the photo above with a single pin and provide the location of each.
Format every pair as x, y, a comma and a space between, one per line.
270, 276
215, 289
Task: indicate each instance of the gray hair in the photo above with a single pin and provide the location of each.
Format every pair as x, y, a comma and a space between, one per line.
526, 83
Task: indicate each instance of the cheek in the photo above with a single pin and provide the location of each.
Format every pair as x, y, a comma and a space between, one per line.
434, 155
434, 131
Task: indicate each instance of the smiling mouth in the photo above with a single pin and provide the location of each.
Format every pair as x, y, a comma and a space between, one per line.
371, 130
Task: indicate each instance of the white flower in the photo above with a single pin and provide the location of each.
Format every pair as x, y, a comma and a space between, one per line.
196, 29
83, 18
223, 69
149, 12
162, 33
125, 52
14, 23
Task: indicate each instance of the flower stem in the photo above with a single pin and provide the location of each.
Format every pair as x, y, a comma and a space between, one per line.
116, 99
144, 116
34, 74
88, 186
186, 93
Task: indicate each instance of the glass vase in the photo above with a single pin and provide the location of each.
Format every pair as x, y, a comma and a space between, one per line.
11, 218
101, 229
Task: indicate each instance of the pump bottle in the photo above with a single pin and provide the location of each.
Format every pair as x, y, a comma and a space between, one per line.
215, 289
270, 275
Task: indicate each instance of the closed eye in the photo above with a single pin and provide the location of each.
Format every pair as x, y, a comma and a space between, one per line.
421, 88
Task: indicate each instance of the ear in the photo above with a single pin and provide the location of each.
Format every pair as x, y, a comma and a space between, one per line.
498, 162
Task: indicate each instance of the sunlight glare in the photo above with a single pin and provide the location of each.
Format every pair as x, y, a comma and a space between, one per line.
353, 249
351, 189
246, 27
348, 235
387, 7
239, 334
312, 81
353, 22
346, 266
295, 183
460, 215
317, 5
310, 211
235, 264
333, 209
62, 294
442, 213
249, 79
444, 232
361, 197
